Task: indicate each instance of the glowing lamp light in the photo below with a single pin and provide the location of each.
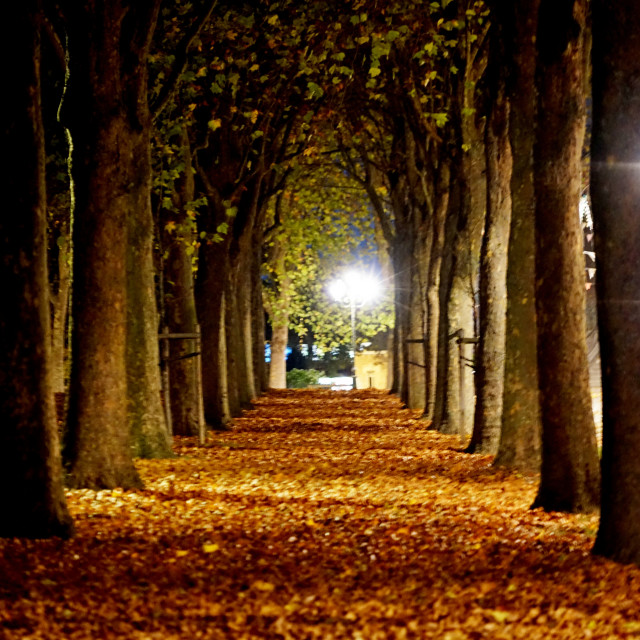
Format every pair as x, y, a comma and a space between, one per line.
354, 289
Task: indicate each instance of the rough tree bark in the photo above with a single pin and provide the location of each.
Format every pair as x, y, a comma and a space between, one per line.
441, 419
59, 298
461, 306
432, 335
258, 328
416, 375
520, 434
107, 115
179, 302
210, 303
244, 295
276, 303
32, 499
493, 304
570, 467
615, 193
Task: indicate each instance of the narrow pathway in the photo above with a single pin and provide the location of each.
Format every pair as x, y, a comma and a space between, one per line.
320, 515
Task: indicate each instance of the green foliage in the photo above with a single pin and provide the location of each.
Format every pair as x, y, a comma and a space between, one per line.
322, 224
302, 378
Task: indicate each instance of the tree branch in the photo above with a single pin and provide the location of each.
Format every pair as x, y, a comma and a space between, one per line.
181, 57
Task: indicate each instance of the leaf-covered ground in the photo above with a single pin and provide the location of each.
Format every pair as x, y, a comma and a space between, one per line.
320, 515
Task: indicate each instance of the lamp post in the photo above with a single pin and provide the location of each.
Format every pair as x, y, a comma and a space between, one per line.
354, 290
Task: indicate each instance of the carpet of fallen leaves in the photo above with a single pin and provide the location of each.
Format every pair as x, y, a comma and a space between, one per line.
319, 515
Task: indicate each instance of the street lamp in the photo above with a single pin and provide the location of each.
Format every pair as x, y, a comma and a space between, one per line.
354, 290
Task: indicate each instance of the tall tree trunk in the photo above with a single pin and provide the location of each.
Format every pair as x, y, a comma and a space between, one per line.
258, 328
32, 499
107, 115
244, 293
401, 252
384, 259
490, 356
179, 302
277, 301
278, 368
520, 436
149, 434
416, 366
441, 418
570, 468
210, 301
462, 297
234, 347
615, 192
59, 314
432, 335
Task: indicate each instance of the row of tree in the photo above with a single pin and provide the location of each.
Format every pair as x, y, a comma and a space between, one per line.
189, 129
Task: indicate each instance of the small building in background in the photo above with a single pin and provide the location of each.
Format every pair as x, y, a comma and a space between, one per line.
372, 369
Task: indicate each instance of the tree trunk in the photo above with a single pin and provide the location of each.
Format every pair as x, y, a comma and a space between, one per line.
278, 368
59, 314
441, 189
570, 470
107, 115
615, 192
32, 498
490, 355
461, 306
401, 252
520, 436
149, 434
179, 302
244, 292
416, 366
234, 347
441, 418
210, 301
258, 331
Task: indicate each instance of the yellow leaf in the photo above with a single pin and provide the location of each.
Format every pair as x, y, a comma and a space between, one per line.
271, 609
170, 226
181, 552
261, 585
210, 548
500, 616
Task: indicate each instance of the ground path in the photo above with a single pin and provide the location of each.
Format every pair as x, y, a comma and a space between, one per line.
320, 515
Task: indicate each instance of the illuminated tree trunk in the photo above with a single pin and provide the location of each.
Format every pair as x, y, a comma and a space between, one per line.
490, 355
59, 312
461, 305
32, 499
570, 467
277, 302
415, 346
278, 369
615, 192
257, 314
